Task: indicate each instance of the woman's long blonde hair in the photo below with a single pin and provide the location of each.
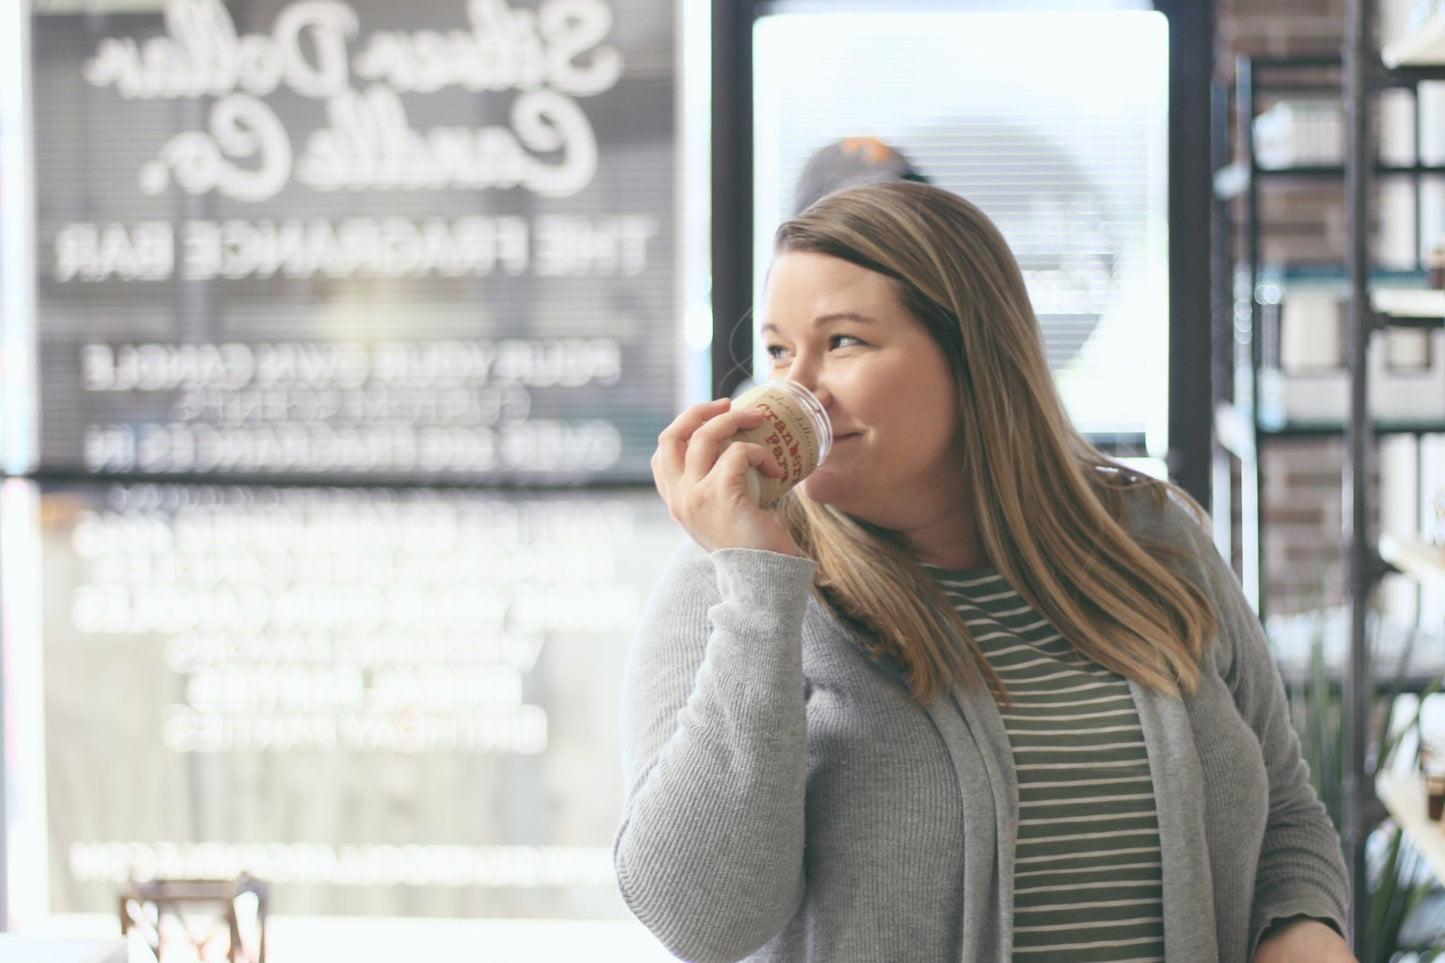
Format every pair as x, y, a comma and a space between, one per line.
1047, 505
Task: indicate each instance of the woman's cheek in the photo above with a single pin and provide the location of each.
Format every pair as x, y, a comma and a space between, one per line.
819, 486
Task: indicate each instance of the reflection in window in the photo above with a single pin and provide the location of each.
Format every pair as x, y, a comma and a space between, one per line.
1054, 123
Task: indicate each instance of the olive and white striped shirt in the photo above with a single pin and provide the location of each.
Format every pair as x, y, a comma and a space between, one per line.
1088, 876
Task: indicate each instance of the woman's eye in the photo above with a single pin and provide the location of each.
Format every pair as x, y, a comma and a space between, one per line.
843, 341
776, 351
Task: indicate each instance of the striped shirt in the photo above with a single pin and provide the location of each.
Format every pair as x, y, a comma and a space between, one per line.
1087, 870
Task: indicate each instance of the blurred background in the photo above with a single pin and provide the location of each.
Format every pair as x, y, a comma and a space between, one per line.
335, 338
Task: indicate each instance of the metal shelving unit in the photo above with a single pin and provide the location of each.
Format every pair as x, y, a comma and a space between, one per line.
1241, 427
1359, 76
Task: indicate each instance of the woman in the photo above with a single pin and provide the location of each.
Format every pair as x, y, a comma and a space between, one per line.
975, 692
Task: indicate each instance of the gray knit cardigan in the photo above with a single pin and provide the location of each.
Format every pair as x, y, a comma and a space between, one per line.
786, 800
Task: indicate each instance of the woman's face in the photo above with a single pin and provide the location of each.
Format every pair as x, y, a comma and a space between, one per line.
843, 332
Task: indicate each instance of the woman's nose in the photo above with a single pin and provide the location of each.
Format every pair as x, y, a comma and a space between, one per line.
802, 371
807, 376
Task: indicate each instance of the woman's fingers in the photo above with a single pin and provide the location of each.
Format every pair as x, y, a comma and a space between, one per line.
668, 460
674, 438
699, 448
700, 467
711, 438
742, 455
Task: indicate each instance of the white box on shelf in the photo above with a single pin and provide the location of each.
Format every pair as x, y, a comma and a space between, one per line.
1300, 132
1396, 393
1423, 43
1428, 303
1310, 331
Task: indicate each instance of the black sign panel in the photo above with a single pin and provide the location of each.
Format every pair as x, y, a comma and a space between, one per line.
357, 240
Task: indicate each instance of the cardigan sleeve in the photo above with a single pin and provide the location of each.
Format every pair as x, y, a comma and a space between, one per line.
1301, 870
709, 854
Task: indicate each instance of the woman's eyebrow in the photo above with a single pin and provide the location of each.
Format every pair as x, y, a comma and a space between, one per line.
823, 319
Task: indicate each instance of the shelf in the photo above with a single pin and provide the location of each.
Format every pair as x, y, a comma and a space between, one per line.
1316, 429
1231, 180
1329, 402
1409, 307
1416, 66
1409, 76
1404, 799
1338, 170
1423, 48
1420, 560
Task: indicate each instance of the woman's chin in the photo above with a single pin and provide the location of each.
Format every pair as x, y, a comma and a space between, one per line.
820, 488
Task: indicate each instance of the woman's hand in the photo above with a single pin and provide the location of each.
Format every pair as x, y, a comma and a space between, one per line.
1303, 941
701, 479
